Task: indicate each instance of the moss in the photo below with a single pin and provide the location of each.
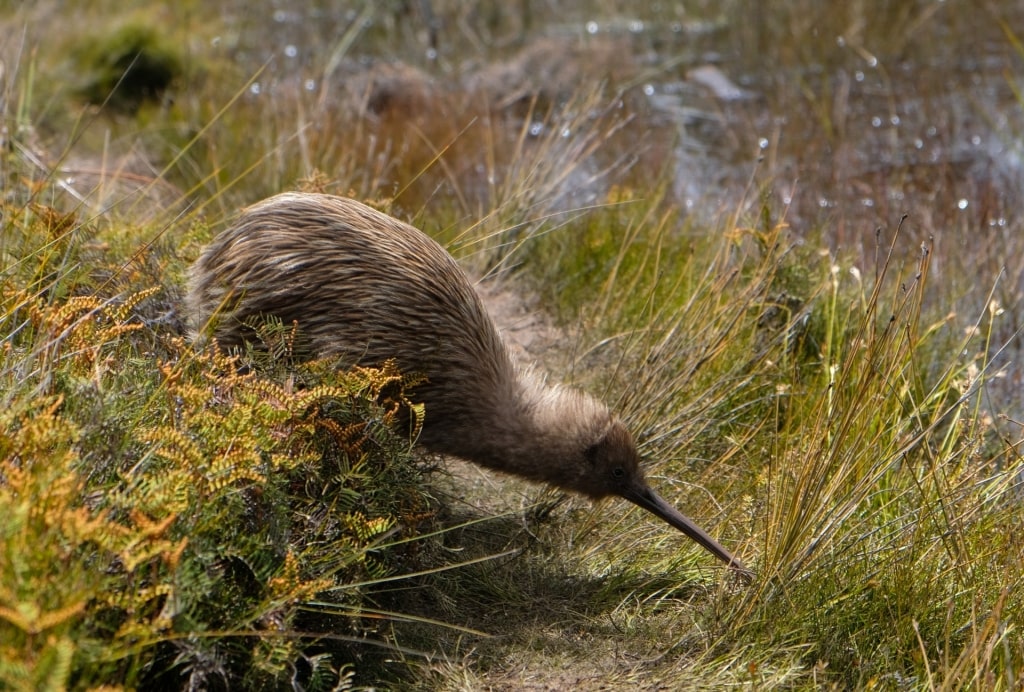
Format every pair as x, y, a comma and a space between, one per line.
128, 67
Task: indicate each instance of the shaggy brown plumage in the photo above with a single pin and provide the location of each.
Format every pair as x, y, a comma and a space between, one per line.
367, 288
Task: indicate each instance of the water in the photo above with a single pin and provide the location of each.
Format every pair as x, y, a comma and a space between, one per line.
849, 117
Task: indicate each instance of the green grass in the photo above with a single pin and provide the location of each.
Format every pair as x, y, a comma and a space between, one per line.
171, 519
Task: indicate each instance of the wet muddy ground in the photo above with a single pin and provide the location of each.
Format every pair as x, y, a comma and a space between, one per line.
853, 116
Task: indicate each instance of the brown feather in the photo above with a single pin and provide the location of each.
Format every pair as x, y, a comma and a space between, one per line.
366, 288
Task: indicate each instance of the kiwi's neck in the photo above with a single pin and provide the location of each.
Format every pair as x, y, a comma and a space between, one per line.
533, 431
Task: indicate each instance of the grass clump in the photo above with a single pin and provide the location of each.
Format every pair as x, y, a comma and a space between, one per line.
127, 67
831, 429
885, 498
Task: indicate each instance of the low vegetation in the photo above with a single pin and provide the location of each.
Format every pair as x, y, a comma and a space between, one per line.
178, 517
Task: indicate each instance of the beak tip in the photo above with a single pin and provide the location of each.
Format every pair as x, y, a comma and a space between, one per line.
745, 574
646, 498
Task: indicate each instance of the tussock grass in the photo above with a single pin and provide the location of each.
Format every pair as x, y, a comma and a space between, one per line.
827, 425
879, 499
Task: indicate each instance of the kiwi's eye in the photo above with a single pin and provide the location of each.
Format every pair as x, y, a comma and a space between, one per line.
618, 472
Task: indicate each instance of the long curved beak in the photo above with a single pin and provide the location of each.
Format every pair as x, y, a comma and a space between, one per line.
645, 497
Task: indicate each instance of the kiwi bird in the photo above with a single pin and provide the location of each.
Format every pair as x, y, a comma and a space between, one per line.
365, 288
